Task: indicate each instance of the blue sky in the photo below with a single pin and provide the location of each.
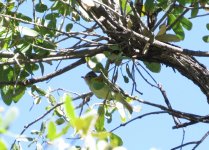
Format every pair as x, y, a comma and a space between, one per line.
152, 131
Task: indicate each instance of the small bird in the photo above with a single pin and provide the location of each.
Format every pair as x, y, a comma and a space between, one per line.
105, 89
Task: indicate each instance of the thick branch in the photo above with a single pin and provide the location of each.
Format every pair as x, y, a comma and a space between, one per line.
175, 57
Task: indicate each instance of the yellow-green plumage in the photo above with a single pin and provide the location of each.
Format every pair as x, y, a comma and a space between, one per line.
103, 90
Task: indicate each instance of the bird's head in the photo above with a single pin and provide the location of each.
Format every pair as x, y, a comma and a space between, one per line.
90, 75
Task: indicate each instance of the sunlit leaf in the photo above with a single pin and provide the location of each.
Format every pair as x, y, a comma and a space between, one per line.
27, 31
121, 111
177, 28
51, 130
115, 140
84, 123
2, 145
187, 24
24, 139
101, 135
69, 109
125, 6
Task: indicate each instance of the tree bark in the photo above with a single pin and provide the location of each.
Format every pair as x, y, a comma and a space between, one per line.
134, 42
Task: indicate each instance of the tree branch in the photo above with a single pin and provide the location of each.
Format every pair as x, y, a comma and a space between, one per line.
46, 77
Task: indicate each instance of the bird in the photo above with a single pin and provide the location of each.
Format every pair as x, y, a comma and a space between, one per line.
103, 88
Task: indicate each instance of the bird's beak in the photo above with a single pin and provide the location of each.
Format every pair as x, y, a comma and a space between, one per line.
83, 77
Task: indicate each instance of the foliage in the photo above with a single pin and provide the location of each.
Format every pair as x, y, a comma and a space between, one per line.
29, 41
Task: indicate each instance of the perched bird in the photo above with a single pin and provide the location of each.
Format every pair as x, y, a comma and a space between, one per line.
105, 89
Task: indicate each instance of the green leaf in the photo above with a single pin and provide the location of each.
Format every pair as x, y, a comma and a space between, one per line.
52, 24
51, 99
114, 47
115, 140
125, 7
206, 38
25, 48
179, 31
149, 5
84, 123
24, 17
102, 135
40, 7
101, 119
9, 93
69, 109
177, 28
18, 93
43, 127
8, 70
52, 16
126, 79
195, 10
162, 30
152, 66
38, 90
207, 26
51, 130
168, 38
3, 145
36, 132
41, 67
60, 121
186, 23
69, 27
24, 139
27, 31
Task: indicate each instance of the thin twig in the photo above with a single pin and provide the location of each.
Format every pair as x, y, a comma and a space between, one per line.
44, 115
138, 117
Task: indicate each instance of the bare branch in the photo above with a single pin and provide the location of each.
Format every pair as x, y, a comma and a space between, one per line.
138, 117
46, 77
197, 143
